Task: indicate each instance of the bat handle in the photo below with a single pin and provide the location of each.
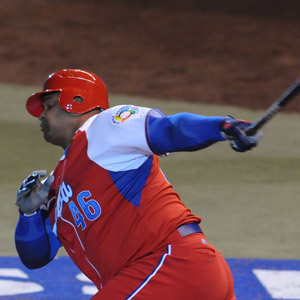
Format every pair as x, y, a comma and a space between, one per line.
275, 107
251, 130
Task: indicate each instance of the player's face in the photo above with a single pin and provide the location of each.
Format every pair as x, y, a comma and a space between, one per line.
57, 125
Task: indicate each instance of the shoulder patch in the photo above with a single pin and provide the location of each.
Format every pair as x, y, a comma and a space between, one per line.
124, 113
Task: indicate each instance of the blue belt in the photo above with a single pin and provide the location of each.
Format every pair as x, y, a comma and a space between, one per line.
188, 229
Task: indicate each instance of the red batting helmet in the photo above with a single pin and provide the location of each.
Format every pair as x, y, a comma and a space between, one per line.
80, 92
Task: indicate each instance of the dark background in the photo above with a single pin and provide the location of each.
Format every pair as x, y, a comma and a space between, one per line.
240, 52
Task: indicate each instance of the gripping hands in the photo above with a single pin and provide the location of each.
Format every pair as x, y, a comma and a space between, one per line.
33, 193
234, 130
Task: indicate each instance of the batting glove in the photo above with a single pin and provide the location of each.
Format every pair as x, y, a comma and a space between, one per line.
234, 130
33, 193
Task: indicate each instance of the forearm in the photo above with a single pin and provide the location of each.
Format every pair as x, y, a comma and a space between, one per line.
35, 242
182, 132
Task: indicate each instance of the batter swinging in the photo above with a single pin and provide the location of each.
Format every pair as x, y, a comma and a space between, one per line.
108, 203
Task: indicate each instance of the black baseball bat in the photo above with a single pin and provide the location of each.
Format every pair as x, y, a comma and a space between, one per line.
286, 97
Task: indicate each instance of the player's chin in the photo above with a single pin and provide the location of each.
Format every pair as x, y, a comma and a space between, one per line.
52, 139
48, 137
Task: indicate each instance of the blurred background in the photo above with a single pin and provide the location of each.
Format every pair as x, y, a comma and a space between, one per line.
208, 57
234, 52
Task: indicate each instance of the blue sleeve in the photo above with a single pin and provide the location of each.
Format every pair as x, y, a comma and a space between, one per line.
35, 241
182, 132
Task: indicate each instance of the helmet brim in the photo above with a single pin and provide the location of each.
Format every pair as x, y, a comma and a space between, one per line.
34, 103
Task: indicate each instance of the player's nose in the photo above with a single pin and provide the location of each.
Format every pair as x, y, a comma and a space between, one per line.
42, 115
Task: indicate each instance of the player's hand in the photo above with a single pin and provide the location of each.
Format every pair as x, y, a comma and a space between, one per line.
234, 130
33, 193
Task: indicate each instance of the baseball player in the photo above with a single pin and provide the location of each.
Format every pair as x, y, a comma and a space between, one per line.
108, 203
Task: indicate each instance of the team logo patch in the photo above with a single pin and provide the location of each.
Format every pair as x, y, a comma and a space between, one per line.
124, 113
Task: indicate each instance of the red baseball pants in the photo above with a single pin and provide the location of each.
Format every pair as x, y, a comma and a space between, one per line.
187, 268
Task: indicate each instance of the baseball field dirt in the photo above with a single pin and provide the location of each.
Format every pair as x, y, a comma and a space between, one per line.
233, 52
